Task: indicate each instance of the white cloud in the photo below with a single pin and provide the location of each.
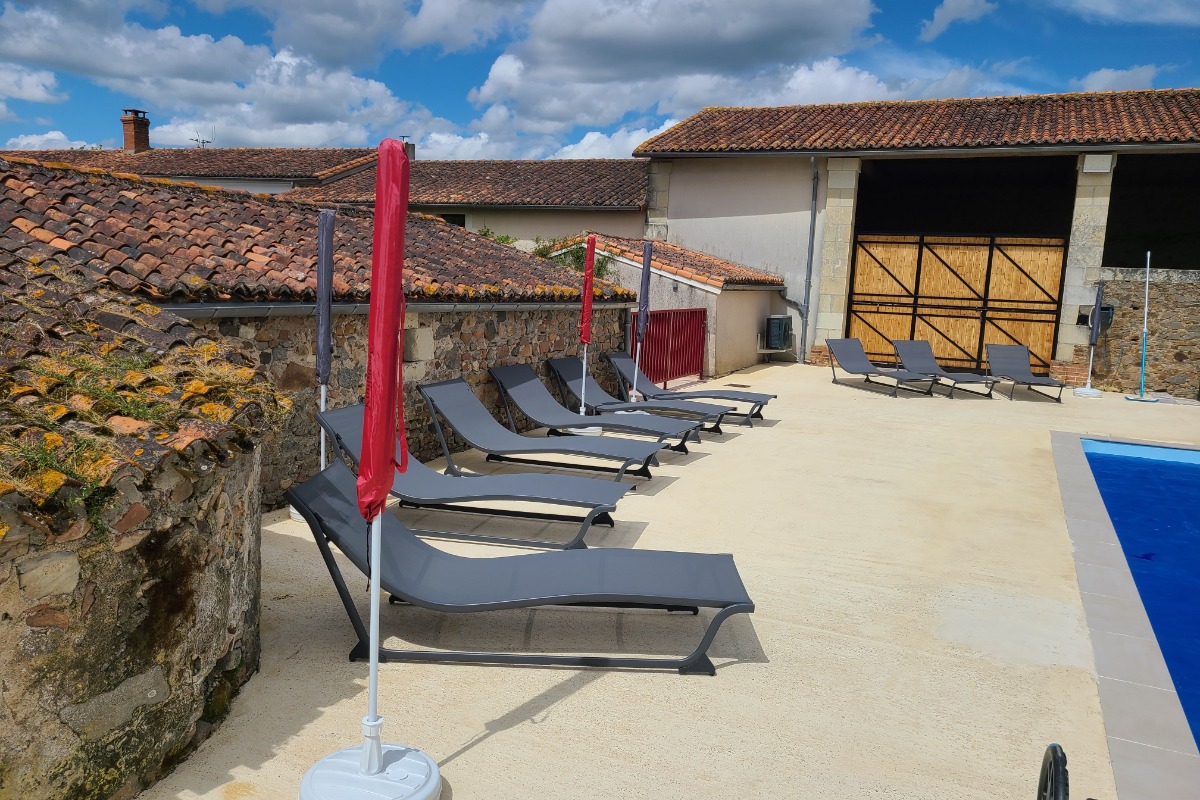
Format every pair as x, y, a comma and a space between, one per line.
619, 144
356, 32
951, 11
51, 140
35, 85
667, 56
460, 24
290, 102
921, 76
1117, 80
1159, 12
121, 55
451, 146
252, 96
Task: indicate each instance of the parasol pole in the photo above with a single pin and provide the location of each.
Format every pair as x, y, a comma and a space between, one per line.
585, 317
1095, 322
375, 770
643, 321
1141, 395
324, 343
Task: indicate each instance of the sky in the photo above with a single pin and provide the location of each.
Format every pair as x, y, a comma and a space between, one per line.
471, 79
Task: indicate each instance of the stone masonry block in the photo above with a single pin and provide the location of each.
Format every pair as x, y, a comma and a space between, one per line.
843, 179
418, 344
48, 574
111, 710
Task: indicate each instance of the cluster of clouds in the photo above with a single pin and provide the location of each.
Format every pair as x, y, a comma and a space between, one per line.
636, 66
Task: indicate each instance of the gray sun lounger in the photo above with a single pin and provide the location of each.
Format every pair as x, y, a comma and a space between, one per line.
422, 487
917, 356
456, 403
520, 386
568, 373
1011, 362
852, 358
415, 572
626, 369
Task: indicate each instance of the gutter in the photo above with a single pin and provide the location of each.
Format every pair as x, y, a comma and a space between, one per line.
519, 207
203, 311
977, 151
808, 267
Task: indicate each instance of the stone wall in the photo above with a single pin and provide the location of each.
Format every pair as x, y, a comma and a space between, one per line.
124, 637
438, 346
1173, 346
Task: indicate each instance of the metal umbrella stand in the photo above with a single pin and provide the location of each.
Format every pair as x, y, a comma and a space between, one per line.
1141, 395
374, 770
1095, 321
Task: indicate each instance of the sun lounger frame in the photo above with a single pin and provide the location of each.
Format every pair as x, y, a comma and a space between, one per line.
1013, 369
552, 414
598, 513
639, 467
916, 355
600, 400
696, 662
856, 362
624, 368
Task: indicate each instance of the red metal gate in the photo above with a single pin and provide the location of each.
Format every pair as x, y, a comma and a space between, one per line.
674, 345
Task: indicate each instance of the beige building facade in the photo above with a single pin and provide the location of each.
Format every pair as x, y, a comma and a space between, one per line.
789, 191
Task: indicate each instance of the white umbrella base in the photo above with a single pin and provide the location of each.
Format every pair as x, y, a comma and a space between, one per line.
588, 431
407, 774
1087, 391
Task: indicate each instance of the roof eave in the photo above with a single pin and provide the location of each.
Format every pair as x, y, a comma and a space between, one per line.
1047, 149
525, 206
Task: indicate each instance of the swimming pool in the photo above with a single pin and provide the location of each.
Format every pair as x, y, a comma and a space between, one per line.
1152, 496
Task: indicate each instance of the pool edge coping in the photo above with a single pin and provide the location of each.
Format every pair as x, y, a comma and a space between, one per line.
1138, 765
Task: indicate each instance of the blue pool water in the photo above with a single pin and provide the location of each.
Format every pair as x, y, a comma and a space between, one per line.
1153, 499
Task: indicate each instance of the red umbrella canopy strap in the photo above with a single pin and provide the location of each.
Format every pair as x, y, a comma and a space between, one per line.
383, 423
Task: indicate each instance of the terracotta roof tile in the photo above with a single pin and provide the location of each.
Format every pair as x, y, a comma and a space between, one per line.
182, 243
676, 260
283, 163
88, 381
1166, 116
593, 183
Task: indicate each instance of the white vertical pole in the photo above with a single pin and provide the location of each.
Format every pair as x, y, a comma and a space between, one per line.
583, 387
1145, 326
372, 751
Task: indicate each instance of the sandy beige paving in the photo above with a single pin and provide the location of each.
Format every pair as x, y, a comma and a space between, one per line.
918, 630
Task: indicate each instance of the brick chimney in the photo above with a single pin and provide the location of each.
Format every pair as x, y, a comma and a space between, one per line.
136, 126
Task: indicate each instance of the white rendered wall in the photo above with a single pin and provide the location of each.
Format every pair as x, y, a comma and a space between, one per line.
528, 224
754, 211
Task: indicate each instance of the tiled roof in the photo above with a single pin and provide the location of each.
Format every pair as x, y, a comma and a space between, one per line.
181, 243
685, 263
594, 183
282, 163
95, 387
1099, 118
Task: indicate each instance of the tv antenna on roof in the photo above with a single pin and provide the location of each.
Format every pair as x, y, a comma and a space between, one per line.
201, 142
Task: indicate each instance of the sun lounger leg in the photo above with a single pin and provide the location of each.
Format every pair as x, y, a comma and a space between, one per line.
695, 663
642, 471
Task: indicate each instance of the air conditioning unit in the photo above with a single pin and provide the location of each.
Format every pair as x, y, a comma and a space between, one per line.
779, 332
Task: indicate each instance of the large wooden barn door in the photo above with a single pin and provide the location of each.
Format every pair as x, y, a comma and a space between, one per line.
957, 292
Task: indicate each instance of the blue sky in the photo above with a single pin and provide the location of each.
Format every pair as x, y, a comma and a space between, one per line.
541, 78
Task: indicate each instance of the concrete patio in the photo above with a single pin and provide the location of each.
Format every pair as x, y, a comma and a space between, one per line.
919, 631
